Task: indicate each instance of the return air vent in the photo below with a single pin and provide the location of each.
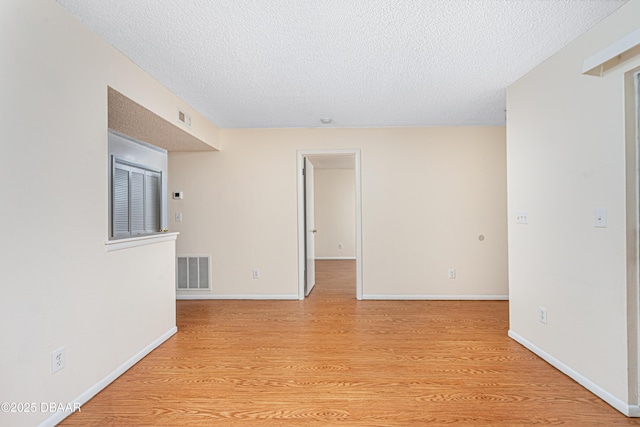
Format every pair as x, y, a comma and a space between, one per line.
192, 272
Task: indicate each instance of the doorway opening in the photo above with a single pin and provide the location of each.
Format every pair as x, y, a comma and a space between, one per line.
307, 231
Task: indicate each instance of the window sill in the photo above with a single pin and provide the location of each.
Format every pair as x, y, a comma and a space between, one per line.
133, 242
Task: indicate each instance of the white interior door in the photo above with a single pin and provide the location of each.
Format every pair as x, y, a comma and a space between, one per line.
310, 227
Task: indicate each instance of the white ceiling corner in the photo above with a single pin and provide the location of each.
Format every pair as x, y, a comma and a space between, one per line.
362, 63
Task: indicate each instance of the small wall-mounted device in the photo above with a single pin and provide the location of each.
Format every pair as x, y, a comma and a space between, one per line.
177, 195
600, 218
184, 118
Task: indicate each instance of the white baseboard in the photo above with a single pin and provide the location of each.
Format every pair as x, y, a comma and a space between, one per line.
628, 410
100, 385
329, 258
244, 296
438, 297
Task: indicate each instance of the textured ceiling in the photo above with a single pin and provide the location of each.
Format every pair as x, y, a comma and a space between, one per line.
362, 63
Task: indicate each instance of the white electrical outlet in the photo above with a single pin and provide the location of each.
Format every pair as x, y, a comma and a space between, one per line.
58, 360
339, 245
452, 273
542, 315
522, 217
256, 273
178, 216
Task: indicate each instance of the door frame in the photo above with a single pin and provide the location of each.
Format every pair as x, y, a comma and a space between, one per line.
632, 187
301, 154
309, 226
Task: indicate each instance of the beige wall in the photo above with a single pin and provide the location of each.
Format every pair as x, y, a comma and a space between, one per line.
566, 157
58, 286
335, 213
427, 194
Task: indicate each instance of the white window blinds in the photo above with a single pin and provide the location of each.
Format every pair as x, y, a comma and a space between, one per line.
136, 200
120, 202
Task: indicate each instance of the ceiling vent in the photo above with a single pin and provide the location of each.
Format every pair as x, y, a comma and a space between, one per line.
184, 118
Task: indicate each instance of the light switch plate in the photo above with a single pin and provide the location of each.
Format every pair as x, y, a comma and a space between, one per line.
600, 218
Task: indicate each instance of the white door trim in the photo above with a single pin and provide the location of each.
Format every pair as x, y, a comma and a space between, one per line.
632, 189
301, 154
310, 228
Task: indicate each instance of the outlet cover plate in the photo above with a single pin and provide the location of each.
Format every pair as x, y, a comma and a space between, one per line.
522, 217
58, 360
542, 315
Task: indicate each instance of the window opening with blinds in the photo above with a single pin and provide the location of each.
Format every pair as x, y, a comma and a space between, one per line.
136, 199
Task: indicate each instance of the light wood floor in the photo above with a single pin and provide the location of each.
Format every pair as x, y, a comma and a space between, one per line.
332, 360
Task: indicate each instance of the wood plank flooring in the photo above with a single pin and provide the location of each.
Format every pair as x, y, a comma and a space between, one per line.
332, 360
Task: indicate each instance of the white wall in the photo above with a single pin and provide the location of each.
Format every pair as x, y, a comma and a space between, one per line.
58, 286
335, 213
566, 157
427, 194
